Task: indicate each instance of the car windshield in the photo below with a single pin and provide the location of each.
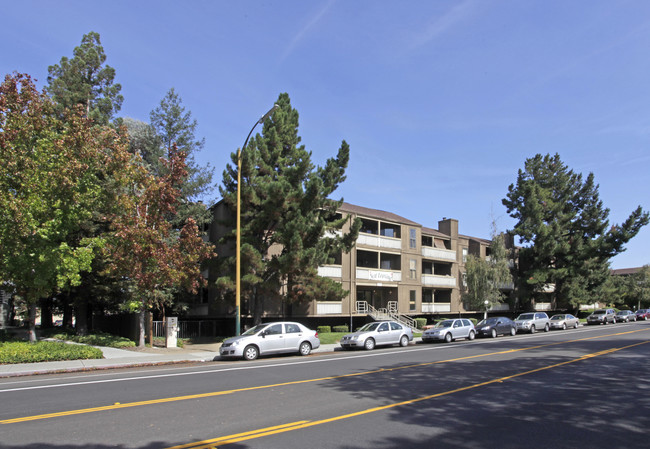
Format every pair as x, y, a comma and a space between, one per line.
599, 312
446, 323
369, 327
557, 317
623, 312
526, 316
255, 329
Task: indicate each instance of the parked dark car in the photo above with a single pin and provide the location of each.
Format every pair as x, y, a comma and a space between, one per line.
496, 325
602, 316
643, 314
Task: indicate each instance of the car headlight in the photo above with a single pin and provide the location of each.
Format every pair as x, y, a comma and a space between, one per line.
485, 328
236, 342
354, 337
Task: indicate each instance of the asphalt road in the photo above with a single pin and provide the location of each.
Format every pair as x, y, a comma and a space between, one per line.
577, 388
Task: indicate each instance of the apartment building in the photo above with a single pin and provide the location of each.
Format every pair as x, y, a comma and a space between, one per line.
397, 265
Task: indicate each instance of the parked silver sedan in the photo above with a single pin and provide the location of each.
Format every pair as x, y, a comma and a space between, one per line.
625, 316
271, 338
449, 330
378, 333
564, 321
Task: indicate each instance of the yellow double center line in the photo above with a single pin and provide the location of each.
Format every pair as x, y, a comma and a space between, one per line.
267, 431
118, 406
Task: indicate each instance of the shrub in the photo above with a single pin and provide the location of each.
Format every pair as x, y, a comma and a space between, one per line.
100, 339
324, 329
420, 322
45, 351
341, 328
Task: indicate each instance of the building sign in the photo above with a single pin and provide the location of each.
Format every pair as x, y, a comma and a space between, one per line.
381, 276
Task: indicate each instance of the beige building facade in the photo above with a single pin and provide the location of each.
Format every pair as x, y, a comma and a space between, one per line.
397, 265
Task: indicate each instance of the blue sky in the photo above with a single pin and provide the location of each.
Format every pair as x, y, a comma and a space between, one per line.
440, 101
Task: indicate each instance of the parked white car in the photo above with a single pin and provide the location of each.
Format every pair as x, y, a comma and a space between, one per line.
378, 333
450, 330
271, 338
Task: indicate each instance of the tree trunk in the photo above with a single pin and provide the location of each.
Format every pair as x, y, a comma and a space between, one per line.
81, 318
32, 323
150, 327
141, 328
46, 313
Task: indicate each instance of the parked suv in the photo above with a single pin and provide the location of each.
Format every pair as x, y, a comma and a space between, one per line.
602, 316
532, 322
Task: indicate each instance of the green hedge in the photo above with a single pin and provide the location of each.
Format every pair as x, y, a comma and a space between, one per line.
324, 329
420, 322
45, 351
342, 328
99, 339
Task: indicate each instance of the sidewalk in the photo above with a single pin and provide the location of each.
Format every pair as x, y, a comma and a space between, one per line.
124, 358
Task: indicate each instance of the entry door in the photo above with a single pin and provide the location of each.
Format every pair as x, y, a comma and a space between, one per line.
273, 341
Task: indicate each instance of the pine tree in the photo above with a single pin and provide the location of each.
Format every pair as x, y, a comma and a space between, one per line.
563, 227
84, 81
285, 205
174, 125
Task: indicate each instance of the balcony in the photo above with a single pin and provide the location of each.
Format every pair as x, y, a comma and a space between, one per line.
329, 308
432, 307
439, 254
433, 280
330, 271
379, 275
379, 241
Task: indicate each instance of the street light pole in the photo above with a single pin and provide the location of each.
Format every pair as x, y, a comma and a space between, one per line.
238, 250
486, 309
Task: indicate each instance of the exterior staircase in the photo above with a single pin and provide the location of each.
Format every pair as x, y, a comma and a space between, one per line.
388, 313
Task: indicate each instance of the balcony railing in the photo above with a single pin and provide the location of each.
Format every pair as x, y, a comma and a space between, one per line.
434, 280
329, 308
438, 254
379, 241
433, 307
330, 271
379, 275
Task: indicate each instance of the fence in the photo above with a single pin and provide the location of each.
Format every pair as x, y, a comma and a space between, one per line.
188, 329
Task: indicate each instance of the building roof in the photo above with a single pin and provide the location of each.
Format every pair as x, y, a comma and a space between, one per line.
376, 213
625, 271
433, 232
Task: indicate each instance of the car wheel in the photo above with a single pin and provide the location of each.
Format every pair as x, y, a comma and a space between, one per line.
563, 326
369, 344
404, 341
251, 353
547, 328
493, 333
471, 335
532, 329
448, 337
575, 325
305, 348
513, 331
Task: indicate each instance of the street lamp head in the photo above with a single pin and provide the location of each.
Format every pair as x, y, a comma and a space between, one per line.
268, 114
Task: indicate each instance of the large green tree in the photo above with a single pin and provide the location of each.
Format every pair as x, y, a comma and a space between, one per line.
145, 248
173, 125
563, 226
486, 278
51, 182
285, 205
85, 81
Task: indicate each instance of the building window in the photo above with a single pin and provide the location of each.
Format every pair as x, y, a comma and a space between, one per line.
412, 241
427, 295
464, 255
369, 226
390, 261
427, 241
367, 259
412, 300
390, 230
413, 273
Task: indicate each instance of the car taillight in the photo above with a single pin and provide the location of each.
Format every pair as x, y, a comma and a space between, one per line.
316, 335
